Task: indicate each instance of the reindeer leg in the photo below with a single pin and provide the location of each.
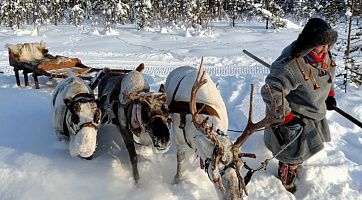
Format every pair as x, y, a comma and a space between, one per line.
180, 161
180, 145
127, 138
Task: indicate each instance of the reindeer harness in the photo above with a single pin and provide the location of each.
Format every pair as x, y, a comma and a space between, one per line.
183, 108
79, 98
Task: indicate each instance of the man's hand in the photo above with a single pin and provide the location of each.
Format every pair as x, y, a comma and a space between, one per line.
295, 124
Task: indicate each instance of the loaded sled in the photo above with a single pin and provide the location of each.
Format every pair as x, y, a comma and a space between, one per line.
34, 58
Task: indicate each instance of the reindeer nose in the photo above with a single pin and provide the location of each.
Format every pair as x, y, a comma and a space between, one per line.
88, 158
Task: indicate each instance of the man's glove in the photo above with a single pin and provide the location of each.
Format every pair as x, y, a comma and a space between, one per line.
331, 102
295, 124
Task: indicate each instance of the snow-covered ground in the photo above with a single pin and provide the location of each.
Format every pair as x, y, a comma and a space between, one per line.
35, 165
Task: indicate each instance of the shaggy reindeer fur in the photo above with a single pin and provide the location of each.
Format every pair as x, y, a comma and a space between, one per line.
141, 115
28, 51
178, 86
83, 142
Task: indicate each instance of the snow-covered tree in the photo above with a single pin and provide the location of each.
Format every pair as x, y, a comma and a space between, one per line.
271, 12
233, 8
196, 12
77, 15
108, 11
350, 45
122, 12
56, 11
177, 10
333, 10
160, 11
143, 13
13, 13
247, 8
303, 10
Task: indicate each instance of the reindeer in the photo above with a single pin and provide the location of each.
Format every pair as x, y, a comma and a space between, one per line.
140, 114
76, 116
222, 157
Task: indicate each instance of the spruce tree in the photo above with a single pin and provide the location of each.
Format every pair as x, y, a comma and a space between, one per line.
77, 14
122, 13
56, 11
143, 13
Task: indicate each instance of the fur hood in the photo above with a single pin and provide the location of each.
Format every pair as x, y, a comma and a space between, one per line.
316, 32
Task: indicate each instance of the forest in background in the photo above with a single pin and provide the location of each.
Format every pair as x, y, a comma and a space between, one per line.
195, 14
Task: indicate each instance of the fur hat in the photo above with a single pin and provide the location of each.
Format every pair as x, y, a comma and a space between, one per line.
315, 33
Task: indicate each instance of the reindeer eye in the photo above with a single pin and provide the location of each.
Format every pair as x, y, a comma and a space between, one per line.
76, 107
93, 104
97, 116
75, 118
164, 108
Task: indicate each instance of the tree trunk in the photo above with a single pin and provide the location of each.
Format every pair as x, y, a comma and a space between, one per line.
347, 51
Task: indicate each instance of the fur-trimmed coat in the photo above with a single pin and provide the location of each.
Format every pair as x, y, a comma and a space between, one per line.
288, 77
301, 98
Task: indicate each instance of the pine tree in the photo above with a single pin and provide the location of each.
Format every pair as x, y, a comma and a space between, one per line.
122, 13
56, 11
143, 13
271, 12
177, 10
160, 11
77, 14
196, 12
43, 13
109, 14
332, 10
303, 10
350, 45
232, 10
13, 13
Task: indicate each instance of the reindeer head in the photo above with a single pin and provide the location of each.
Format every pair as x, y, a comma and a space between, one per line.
227, 157
82, 120
153, 111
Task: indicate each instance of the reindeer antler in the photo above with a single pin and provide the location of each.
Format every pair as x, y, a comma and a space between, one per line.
267, 121
204, 127
251, 128
200, 124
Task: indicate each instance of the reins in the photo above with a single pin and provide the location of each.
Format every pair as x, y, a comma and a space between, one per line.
265, 163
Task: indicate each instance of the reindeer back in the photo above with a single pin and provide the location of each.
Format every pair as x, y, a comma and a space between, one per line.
179, 85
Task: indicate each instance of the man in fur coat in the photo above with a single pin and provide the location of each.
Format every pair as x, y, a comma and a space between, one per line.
302, 77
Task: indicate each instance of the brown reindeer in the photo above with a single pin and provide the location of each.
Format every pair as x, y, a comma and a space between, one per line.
140, 114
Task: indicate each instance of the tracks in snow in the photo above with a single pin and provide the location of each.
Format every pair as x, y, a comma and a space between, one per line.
163, 68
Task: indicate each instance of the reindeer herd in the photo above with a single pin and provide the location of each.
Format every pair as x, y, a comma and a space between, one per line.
189, 100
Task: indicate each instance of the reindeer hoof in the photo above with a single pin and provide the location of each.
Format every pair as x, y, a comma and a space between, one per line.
176, 180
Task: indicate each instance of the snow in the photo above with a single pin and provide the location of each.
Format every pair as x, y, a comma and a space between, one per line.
35, 165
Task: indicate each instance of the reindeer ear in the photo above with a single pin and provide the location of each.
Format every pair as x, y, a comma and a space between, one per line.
106, 70
162, 88
140, 67
102, 98
67, 102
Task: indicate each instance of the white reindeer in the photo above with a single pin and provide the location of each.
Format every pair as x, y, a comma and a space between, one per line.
76, 116
194, 102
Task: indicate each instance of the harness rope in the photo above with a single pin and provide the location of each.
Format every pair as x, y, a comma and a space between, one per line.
265, 163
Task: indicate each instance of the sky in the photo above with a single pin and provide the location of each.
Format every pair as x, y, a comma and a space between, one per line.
34, 164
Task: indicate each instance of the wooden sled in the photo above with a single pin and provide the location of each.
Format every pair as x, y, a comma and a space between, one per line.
44, 64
